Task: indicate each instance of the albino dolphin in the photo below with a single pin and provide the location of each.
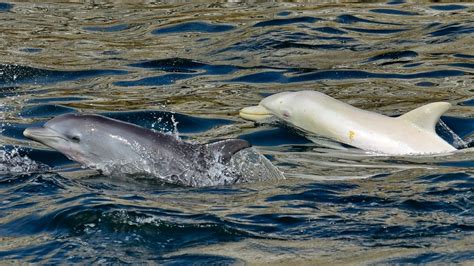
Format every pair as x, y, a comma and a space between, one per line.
315, 112
119, 148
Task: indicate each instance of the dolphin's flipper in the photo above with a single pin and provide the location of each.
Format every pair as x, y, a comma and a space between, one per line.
227, 147
426, 116
327, 143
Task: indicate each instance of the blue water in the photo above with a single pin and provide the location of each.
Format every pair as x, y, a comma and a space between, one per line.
188, 69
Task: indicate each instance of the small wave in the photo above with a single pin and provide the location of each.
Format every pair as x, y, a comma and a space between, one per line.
12, 74
388, 11
448, 7
113, 28
287, 21
194, 27
279, 77
350, 19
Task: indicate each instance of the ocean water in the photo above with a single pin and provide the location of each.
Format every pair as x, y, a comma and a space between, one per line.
193, 66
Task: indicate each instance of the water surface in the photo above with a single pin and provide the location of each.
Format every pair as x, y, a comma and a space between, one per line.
198, 64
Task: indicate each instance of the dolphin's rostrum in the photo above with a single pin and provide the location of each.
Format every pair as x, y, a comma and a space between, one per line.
119, 148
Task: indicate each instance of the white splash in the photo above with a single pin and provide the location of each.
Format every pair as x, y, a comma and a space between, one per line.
247, 165
458, 141
11, 162
175, 127
156, 122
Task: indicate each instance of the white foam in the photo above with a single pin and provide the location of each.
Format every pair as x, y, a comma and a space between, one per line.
459, 143
11, 162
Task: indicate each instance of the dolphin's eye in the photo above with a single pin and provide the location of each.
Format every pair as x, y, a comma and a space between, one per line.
286, 114
75, 138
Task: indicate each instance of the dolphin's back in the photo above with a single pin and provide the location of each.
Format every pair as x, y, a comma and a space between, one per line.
411, 133
180, 160
323, 115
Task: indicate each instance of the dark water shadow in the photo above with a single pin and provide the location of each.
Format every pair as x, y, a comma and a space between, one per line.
200, 26
287, 21
350, 19
452, 7
279, 77
5, 7
16, 75
113, 28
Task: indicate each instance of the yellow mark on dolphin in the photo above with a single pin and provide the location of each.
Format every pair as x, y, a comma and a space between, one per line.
351, 135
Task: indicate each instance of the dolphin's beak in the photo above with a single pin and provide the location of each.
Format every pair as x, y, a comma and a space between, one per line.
255, 113
41, 134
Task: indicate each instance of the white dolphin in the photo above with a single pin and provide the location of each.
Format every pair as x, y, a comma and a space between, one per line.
315, 112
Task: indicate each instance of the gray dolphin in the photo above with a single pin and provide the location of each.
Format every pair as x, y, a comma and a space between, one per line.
119, 148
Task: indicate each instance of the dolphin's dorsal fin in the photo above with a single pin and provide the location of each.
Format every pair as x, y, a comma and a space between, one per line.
426, 116
228, 147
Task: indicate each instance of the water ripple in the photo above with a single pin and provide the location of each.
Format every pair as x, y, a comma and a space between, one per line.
448, 7
11, 75
113, 28
350, 19
375, 31
194, 27
5, 7
279, 77
286, 21
188, 68
455, 29
393, 12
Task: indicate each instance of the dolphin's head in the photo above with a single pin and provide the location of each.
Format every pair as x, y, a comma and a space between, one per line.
301, 109
283, 105
83, 138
